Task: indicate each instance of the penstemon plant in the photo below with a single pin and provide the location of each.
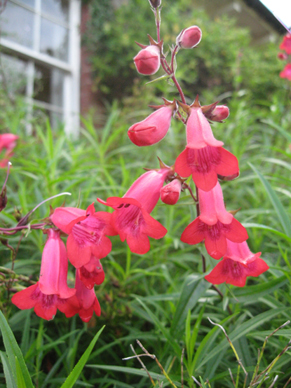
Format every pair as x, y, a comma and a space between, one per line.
204, 160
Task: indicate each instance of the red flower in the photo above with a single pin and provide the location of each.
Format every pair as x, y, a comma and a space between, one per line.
214, 224
286, 44
238, 263
152, 129
147, 61
204, 158
51, 291
7, 142
86, 230
131, 218
91, 273
286, 73
189, 37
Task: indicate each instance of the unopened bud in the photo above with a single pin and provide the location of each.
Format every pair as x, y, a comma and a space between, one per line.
155, 3
170, 193
189, 37
147, 61
3, 199
219, 113
282, 56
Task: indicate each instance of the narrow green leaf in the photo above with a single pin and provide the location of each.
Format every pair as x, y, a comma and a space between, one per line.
19, 375
193, 289
13, 350
73, 376
127, 370
10, 382
281, 212
268, 228
286, 134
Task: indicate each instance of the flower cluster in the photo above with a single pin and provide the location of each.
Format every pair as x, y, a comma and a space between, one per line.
286, 56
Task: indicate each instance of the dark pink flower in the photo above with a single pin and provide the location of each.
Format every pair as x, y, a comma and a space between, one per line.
152, 129
282, 56
286, 73
7, 143
87, 232
286, 44
91, 273
51, 291
131, 217
147, 61
170, 193
214, 224
204, 158
189, 37
238, 263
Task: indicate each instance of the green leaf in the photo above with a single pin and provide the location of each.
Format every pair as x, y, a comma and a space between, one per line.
13, 351
73, 376
193, 289
10, 382
280, 129
281, 212
19, 375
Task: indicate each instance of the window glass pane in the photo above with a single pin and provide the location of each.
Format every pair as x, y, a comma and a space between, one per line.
49, 85
17, 24
54, 40
13, 77
58, 9
31, 3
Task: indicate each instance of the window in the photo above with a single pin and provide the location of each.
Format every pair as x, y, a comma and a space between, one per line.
40, 54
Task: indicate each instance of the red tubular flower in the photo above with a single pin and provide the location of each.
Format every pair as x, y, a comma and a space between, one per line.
131, 218
189, 37
91, 273
204, 158
214, 224
286, 44
7, 142
238, 263
51, 291
170, 193
86, 230
286, 73
152, 129
147, 61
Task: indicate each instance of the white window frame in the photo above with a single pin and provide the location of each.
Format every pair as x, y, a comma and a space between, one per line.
70, 68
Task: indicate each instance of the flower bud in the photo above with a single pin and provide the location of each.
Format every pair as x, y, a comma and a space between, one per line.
3, 199
152, 129
282, 56
189, 37
155, 3
147, 61
219, 113
170, 193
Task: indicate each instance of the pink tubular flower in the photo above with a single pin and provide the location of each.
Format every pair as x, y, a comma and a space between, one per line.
131, 218
91, 273
87, 301
7, 142
189, 37
204, 158
286, 44
86, 230
286, 73
170, 193
214, 224
147, 61
152, 129
238, 263
51, 291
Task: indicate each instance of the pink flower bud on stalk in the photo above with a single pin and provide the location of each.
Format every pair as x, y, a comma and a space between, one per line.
282, 56
286, 73
155, 3
152, 129
147, 61
219, 113
170, 193
189, 37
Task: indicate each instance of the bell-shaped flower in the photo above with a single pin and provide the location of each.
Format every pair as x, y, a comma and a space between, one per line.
87, 232
152, 129
131, 217
214, 224
170, 193
147, 61
238, 263
7, 143
87, 301
286, 44
51, 292
91, 273
189, 37
204, 158
286, 72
